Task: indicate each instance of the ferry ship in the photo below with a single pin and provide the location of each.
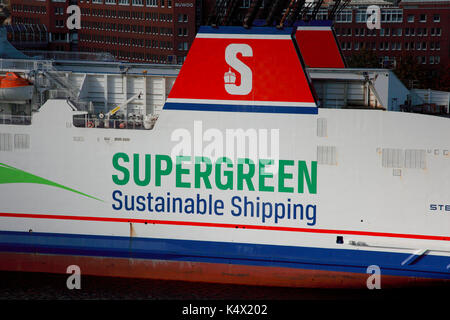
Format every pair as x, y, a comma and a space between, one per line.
252, 172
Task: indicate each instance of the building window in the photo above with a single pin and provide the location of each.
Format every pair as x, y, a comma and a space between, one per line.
182, 32
406, 31
344, 16
59, 10
436, 18
124, 2
361, 16
152, 3
182, 18
423, 17
138, 2
392, 15
438, 31
437, 45
110, 1
410, 18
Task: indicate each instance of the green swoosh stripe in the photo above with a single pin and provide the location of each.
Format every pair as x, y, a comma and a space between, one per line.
10, 174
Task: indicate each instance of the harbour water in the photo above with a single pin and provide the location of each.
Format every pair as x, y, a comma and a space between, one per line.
44, 286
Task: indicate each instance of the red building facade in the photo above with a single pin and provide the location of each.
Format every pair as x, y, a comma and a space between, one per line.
48, 15
151, 31
413, 28
155, 31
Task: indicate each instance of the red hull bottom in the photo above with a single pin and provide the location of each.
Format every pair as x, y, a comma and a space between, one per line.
201, 272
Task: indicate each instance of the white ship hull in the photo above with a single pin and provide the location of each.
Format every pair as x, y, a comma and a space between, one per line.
382, 218
352, 190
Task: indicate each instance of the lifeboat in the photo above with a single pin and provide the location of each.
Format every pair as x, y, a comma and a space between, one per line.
15, 88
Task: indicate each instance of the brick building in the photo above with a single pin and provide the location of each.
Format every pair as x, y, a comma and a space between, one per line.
158, 31
420, 29
30, 18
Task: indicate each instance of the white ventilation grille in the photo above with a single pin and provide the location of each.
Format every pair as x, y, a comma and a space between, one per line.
6, 143
415, 159
326, 155
322, 127
21, 141
392, 158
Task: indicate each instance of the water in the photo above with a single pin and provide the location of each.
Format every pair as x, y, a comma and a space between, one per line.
44, 286
35, 293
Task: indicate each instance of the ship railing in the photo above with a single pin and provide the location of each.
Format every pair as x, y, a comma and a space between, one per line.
15, 119
133, 124
23, 65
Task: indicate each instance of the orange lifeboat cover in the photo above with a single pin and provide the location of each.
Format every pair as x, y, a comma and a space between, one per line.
12, 80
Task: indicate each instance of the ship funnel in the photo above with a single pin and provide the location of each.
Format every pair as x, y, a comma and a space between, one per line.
318, 45
234, 69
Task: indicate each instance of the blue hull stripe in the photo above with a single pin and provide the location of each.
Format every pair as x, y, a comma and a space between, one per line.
357, 261
239, 108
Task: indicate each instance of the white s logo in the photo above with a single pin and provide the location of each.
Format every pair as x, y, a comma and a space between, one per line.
246, 73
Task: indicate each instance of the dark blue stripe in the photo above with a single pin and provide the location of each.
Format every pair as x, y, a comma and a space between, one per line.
239, 108
223, 252
242, 30
314, 23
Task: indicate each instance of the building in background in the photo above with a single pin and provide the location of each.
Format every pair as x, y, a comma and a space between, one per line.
40, 24
161, 31
419, 29
156, 31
